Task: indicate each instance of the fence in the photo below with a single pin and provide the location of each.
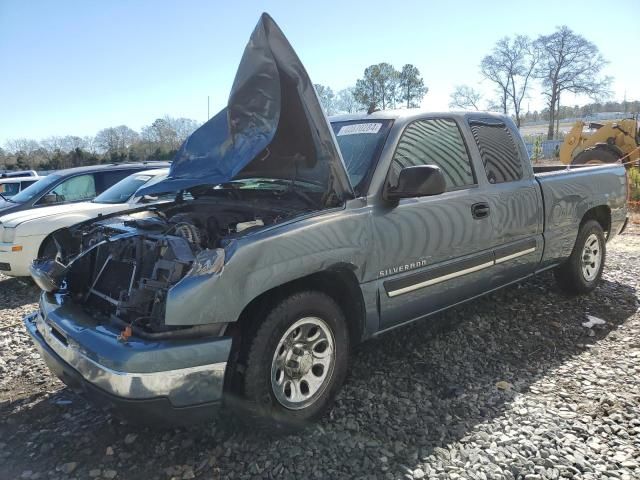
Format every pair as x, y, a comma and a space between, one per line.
548, 148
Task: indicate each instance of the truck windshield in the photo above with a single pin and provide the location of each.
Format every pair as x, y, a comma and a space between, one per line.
35, 190
360, 143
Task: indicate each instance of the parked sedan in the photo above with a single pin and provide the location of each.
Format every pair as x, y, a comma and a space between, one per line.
25, 236
72, 185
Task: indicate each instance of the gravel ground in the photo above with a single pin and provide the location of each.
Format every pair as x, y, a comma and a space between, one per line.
519, 390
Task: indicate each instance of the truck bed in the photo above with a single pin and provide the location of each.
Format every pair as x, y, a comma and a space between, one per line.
568, 194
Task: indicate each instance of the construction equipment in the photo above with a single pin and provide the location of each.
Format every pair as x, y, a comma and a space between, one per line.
602, 142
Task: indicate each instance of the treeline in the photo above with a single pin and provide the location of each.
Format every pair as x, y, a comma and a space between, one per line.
559, 63
584, 111
158, 141
381, 87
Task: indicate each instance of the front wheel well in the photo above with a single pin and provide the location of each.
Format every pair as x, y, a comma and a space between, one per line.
601, 214
340, 283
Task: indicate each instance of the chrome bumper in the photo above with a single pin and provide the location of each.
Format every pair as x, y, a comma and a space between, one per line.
183, 387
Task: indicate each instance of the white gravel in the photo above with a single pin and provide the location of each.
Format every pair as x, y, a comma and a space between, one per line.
519, 390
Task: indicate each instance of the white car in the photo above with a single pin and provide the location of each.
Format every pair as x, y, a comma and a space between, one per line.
24, 236
9, 186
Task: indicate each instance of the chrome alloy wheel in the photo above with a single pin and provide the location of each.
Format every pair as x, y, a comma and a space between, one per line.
591, 258
303, 363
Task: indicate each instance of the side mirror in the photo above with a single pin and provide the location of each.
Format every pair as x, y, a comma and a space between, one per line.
417, 181
50, 199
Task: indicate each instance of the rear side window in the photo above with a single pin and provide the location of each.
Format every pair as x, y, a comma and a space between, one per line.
498, 150
435, 142
108, 178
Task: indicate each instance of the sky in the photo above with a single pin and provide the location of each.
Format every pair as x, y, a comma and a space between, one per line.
75, 67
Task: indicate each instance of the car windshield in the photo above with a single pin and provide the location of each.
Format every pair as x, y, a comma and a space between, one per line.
9, 189
122, 191
35, 190
360, 143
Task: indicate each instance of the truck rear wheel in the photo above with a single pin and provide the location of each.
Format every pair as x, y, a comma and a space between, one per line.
595, 156
295, 361
581, 272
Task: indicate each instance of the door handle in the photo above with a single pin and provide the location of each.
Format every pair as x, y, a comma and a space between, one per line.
480, 210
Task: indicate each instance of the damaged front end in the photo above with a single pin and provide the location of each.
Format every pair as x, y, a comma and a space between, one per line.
142, 272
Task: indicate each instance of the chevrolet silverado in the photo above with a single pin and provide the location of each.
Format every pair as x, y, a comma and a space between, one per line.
293, 237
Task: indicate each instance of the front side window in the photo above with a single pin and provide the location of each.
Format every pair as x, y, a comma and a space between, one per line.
499, 153
435, 142
75, 189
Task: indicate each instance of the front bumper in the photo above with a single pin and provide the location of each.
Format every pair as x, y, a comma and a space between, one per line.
168, 382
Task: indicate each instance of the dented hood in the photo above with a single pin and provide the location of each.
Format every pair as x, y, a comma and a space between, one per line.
273, 126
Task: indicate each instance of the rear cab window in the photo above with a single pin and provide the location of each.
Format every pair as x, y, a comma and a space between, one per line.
498, 150
437, 142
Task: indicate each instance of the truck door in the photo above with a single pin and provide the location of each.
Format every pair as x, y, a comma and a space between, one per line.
433, 251
514, 199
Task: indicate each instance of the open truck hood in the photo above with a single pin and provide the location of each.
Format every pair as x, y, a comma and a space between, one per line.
273, 127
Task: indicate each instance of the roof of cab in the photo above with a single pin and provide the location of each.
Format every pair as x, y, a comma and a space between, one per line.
407, 115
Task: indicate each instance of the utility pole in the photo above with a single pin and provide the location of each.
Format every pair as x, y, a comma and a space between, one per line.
207, 107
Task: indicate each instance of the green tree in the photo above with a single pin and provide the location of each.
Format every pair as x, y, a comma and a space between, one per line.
412, 87
378, 86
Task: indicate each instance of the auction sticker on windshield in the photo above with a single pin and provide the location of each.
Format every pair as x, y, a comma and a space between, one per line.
356, 128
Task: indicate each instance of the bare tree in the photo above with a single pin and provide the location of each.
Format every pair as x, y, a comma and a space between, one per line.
161, 132
25, 146
569, 63
465, 97
116, 139
412, 87
327, 98
510, 67
346, 101
182, 126
493, 70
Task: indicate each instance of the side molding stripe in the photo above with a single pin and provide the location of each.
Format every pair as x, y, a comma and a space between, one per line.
393, 292
515, 255
443, 278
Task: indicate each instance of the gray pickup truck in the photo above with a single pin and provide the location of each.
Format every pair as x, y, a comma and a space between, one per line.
292, 238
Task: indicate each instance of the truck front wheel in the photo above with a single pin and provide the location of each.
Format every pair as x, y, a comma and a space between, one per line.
581, 272
296, 361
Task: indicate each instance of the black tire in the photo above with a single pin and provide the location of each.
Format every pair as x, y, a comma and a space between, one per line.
258, 404
595, 156
570, 276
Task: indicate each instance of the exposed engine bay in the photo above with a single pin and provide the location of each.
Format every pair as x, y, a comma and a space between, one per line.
128, 263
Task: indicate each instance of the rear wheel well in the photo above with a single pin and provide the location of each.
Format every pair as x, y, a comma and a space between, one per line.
601, 214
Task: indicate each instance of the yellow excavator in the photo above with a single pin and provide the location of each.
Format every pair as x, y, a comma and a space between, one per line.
602, 142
